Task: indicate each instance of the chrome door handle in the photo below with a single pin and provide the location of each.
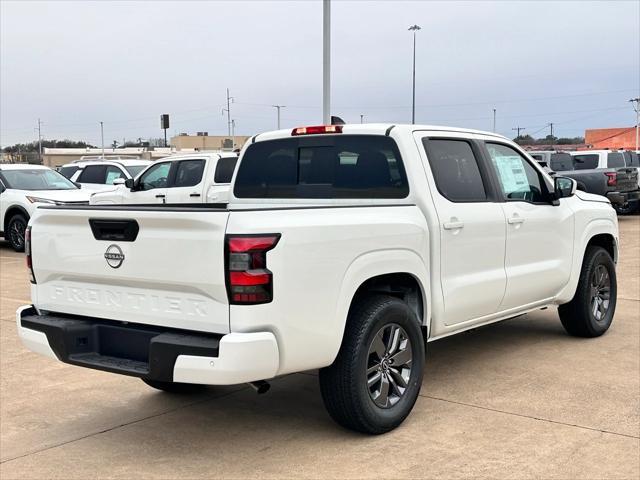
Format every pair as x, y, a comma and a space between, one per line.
452, 225
515, 220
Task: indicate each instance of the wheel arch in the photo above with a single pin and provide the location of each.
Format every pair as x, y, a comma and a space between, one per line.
11, 212
600, 232
400, 273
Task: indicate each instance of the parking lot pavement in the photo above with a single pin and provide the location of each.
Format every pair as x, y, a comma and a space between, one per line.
519, 399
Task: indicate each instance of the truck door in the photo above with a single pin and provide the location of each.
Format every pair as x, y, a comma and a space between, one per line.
472, 228
539, 246
151, 186
187, 181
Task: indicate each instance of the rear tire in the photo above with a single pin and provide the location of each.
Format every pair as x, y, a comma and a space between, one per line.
15, 232
175, 387
375, 380
590, 312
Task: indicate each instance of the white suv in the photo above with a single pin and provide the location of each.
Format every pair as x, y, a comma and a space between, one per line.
23, 188
98, 174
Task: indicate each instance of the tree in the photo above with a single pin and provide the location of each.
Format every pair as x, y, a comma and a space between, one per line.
34, 146
525, 140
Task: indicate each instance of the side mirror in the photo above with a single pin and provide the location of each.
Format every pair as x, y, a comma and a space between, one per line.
129, 183
564, 187
119, 181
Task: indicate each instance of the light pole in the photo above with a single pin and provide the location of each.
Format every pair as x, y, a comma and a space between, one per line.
414, 29
40, 141
102, 137
361, 118
326, 62
494, 120
636, 106
278, 107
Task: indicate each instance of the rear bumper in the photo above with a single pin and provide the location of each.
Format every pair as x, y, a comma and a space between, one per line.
623, 197
150, 352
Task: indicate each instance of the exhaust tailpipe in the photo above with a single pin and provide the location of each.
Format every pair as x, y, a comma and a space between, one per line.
260, 386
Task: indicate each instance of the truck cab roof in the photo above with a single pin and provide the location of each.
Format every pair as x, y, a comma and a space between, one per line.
372, 129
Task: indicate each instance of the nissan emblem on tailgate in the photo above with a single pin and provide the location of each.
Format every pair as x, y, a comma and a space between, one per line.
114, 256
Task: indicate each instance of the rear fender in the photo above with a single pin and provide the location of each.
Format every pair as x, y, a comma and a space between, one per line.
378, 263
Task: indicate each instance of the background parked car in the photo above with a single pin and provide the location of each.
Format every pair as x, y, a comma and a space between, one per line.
99, 174
602, 172
193, 178
601, 159
23, 188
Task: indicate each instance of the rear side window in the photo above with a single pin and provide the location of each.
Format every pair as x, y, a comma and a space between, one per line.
224, 169
68, 172
93, 174
586, 161
455, 170
561, 162
189, 173
633, 160
336, 166
615, 160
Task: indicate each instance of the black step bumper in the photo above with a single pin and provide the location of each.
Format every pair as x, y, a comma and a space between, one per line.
119, 347
622, 198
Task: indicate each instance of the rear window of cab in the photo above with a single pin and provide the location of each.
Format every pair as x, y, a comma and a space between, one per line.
331, 166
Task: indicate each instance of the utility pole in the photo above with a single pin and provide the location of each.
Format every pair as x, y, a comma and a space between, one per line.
551, 126
39, 141
228, 110
494, 120
278, 107
361, 118
636, 106
518, 129
414, 28
326, 62
102, 137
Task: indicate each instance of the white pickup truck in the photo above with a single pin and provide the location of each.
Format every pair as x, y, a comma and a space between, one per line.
194, 178
343, 248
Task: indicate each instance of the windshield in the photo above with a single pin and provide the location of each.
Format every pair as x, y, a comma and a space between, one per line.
36, 179
134, 170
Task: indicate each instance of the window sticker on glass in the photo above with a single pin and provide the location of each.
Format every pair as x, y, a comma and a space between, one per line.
512, 175
111, 176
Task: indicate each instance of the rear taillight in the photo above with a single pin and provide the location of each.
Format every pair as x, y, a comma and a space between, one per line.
612, 178
27, 250
317, 129
249, 282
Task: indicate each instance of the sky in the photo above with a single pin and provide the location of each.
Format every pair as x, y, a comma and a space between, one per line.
74, 64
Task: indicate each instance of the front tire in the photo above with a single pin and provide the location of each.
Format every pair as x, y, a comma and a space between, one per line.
375, 380
15, 232
590, 312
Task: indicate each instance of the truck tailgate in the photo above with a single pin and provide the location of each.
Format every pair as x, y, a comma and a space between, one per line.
626, 179
89, 261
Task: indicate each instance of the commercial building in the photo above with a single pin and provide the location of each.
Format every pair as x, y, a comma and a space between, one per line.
204, 141
55, 157
611, 138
